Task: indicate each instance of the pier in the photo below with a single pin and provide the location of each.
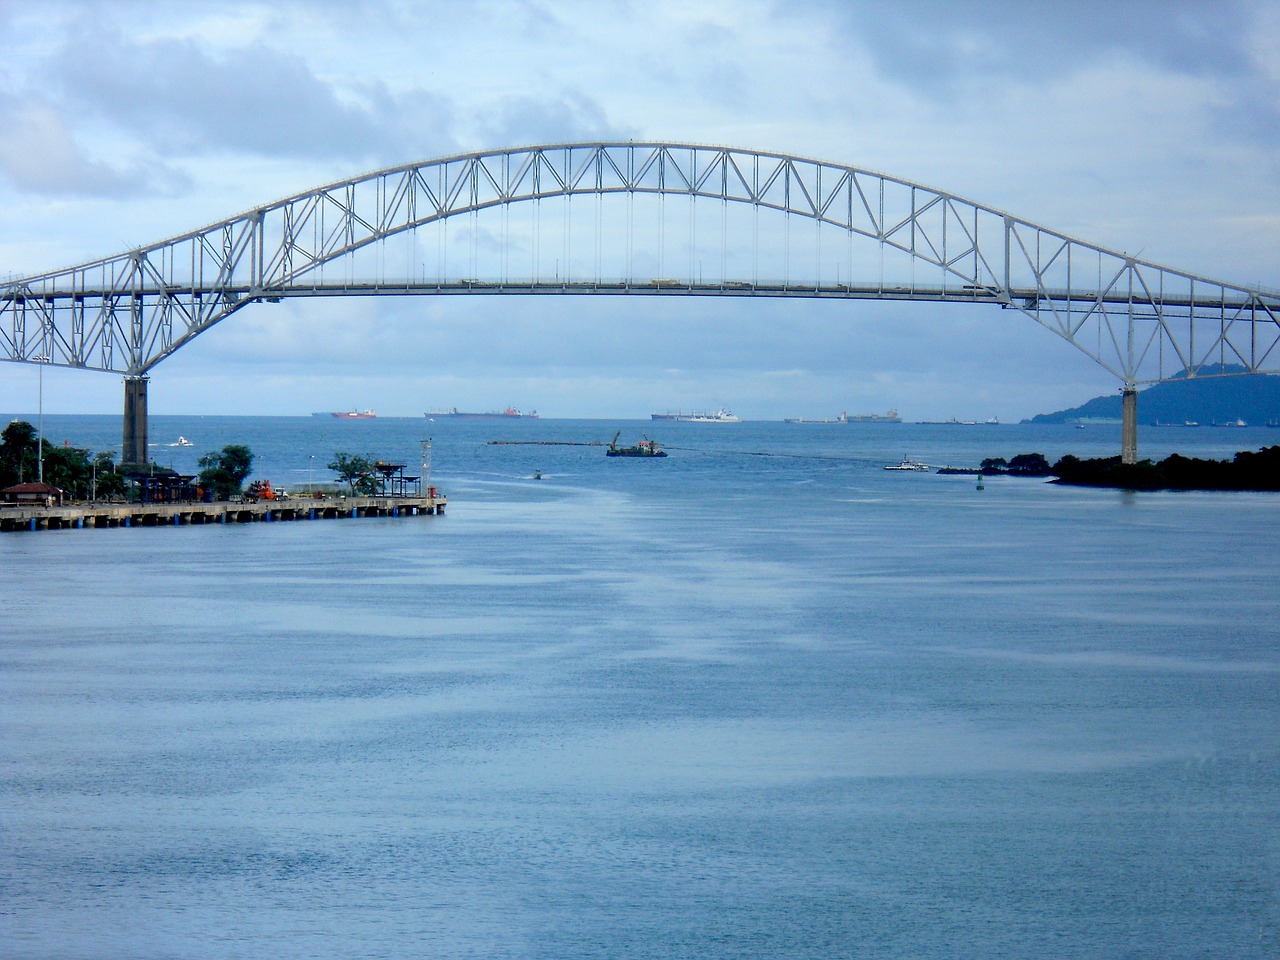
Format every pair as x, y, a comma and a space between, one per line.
30, 517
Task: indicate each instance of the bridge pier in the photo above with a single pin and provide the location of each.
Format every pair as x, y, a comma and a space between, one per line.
1129, 426
134, 444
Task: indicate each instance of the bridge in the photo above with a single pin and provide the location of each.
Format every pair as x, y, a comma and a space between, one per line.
636, 219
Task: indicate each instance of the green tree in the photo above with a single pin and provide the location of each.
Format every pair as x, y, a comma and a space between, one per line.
69, 469
224, 471
18, 454
355, 471
103, 476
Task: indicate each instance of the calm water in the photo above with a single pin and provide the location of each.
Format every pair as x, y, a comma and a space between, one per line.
760, 699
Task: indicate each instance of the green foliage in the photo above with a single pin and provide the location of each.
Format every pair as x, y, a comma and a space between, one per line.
71, 469
1030, 465
355, 471
17, 454
224, 471
1247, 471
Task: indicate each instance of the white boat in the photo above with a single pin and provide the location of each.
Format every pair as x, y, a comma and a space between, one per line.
720, 416
909, 464
184, 442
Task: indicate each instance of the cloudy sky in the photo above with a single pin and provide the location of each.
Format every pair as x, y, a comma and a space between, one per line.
1149, 126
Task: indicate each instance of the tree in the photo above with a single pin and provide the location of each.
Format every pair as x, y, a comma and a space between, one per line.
18, 459
104, 482
355, 471
1030, 465
225, 470
68, 469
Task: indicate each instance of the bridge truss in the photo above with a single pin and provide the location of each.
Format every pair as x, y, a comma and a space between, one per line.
800, 228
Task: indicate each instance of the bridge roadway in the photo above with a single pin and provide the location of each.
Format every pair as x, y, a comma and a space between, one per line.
20, 517
1025, 298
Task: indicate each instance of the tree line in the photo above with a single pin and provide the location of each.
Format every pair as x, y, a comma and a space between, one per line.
82, 474
75, 470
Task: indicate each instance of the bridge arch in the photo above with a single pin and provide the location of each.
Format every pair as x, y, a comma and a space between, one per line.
895, 240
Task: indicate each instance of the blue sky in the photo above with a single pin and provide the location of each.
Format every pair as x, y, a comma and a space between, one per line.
1150, 127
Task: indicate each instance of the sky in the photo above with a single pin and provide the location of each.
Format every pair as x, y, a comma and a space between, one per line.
1149, 126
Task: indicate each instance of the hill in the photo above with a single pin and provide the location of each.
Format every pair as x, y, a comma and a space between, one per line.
1253, 398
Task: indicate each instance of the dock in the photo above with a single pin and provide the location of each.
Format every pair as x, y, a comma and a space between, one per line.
30, 517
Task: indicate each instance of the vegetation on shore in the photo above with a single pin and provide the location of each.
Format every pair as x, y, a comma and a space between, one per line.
224, 471
1246, 471
77, 471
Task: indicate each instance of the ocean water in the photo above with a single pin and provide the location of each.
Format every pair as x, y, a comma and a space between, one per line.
759, 699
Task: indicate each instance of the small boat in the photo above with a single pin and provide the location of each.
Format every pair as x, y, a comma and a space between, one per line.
645, 448
184, 442
908, 464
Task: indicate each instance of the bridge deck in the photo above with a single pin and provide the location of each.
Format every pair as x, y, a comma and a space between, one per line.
968, 293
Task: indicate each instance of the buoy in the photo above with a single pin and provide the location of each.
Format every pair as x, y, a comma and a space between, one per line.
980, 486
537, 474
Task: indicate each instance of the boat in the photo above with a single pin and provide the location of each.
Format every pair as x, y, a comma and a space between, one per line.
908, 464
184, 442
645, 448
719, 416
1229, 423
890, 417
348, 414
511, 413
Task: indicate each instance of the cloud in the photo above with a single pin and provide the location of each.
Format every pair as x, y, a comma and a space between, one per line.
39, 153
180, 97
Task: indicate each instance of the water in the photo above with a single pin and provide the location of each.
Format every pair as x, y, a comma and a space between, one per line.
759, 699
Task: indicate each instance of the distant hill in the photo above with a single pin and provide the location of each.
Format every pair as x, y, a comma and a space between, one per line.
1253, 398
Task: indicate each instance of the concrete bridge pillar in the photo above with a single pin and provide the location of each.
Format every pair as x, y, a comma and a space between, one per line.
1129, 426
134, 445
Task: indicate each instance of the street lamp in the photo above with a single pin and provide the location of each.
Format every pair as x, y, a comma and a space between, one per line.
42, 360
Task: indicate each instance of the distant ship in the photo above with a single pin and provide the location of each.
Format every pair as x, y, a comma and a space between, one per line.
890, 417
720, 416
347, 414
456, 414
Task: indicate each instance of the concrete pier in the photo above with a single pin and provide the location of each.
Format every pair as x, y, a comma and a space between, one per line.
26, 517
1129, 426
134, 441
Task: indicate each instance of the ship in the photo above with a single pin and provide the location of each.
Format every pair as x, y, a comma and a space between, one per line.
914, 466
511, 413
719, 416
347, 414
890, 417
645, 448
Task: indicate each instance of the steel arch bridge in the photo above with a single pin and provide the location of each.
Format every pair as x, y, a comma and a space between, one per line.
827, 231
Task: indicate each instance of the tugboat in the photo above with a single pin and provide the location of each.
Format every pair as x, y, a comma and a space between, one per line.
645, 448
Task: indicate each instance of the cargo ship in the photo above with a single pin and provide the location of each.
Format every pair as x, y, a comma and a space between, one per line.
347, 414
720, 416
890, 417
511, 413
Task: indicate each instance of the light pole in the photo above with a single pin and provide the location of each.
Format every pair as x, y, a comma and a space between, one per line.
42, 360
310, 462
